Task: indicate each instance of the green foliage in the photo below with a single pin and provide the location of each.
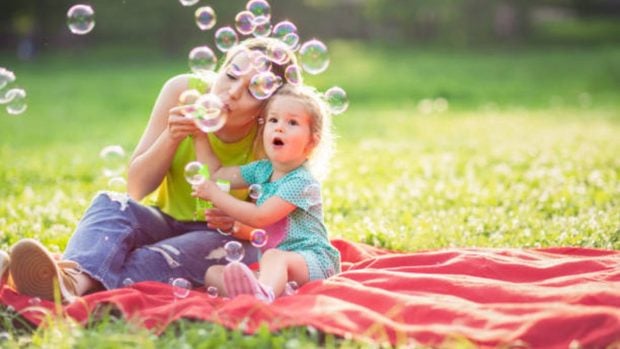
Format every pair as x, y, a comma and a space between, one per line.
524, 156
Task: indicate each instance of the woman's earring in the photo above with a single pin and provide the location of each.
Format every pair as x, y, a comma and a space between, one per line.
260, 120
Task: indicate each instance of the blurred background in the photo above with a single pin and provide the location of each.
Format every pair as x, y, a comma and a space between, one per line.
29, 27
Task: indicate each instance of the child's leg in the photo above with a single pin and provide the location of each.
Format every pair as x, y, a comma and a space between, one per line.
279, 267
214, 277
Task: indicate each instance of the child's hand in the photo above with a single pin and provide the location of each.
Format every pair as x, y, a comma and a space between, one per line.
204, 190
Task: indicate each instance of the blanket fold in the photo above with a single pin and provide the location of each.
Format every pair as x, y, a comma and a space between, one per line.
545, 298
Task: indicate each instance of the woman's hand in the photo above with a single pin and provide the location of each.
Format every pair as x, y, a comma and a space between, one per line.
217, 219
181, 126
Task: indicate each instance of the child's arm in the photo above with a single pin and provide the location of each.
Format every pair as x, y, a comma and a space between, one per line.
271, 211
205, 155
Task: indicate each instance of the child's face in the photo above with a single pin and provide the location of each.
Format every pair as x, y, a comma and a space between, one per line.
287, 136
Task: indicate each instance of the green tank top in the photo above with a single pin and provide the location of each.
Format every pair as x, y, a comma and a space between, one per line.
173, 196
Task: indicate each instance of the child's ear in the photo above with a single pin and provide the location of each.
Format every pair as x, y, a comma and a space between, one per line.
314, 141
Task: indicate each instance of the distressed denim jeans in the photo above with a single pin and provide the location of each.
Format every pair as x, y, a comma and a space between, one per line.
119, 240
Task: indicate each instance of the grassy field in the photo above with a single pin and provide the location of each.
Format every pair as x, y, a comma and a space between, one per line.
501, 148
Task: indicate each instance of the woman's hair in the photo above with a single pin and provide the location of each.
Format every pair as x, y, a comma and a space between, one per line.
320, 125
263, 44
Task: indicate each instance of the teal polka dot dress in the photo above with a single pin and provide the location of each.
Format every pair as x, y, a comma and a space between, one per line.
303, 231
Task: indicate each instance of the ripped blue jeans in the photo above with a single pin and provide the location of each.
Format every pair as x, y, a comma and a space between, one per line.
120, 241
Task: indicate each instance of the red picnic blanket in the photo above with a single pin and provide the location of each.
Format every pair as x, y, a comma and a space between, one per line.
541, 298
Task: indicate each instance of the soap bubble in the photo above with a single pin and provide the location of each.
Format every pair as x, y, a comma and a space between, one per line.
188, 2
314, 57
312, 194
207, 114
127, 282
212, 291
193, 173
6, 77
337, 100
292, 41
278, 53
202, 59
118, 184
262, 27
263, 85
283, 28
260, 61
181, 287
258, 238
205, 18
244, 22
260, 8
234, 251
81, 19
255, 191
16, 103
113, 157
225, 38
188, 97
293, 74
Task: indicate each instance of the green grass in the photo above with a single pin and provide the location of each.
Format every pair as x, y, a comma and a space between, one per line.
525, 156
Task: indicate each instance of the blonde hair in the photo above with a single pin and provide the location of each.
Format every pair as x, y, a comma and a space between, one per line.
320, 125
262, 44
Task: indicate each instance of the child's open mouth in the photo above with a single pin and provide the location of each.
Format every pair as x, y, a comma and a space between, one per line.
277, 142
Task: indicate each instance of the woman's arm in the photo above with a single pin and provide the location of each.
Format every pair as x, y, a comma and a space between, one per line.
166, 128
271, 211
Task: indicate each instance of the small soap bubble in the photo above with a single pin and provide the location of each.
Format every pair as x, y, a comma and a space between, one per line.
193, 173
6, 77
243, 64
234, 251
188, 97
113, 157
278, 53
181, 287
314, 57
262, 27
244, 22
260, 8
263, 85
258, 238
293, 286
226, 38
292, 41
188, 2
207, 114
202, 59
260, 62
293, 74
4, 336
281, 29
205, 18
337, 100
16, 101
118, 184
212, 291
440, 105
255, 191
127, 282
34, 301
81, 19
312, 194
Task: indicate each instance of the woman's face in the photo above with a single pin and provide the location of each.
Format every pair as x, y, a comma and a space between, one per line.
239, 104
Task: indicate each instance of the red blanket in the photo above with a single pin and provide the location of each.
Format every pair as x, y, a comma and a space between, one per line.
549, 298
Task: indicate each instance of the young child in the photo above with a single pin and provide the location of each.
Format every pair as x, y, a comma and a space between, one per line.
296, 128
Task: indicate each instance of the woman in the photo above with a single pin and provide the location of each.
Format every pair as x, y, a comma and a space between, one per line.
157, 238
